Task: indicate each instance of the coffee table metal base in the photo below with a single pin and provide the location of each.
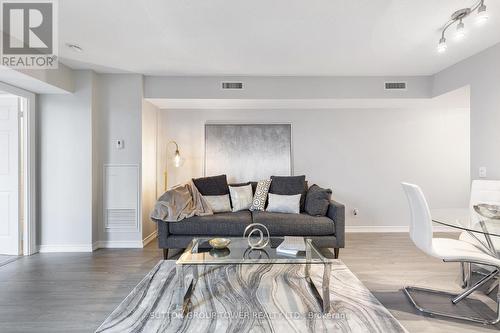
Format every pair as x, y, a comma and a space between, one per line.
184, 301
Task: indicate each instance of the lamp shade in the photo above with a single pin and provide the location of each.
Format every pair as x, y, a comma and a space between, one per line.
177, 160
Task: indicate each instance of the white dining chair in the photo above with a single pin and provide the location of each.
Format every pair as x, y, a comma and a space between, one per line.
446, 249
482, 191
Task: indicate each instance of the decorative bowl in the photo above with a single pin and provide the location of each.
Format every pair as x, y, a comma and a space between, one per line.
488, 211
219, 253
219, 243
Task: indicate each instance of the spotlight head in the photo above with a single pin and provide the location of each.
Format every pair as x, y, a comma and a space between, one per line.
482, 14
442, 45
460, 33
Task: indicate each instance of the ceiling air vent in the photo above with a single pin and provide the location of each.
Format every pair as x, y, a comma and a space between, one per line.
232, 85
395, 86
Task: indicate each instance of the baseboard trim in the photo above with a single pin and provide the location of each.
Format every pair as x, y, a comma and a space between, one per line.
150, 238
392, 229
65, 248
120, 244
96, 245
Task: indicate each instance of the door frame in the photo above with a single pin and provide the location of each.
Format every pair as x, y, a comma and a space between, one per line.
29, 150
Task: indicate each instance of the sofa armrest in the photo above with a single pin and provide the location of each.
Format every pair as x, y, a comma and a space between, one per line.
336, 212
162, 232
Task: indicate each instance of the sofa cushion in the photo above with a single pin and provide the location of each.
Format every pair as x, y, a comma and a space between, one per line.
221, 224
281, 224
317, 200
289, 185
215, 185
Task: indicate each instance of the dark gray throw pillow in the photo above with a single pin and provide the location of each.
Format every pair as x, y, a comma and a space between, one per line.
318, 200
215, 185
290, 185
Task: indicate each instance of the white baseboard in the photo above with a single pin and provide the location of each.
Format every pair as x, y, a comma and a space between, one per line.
65, 248
442, 228
97, 245
120, 244
150, 238
392, 229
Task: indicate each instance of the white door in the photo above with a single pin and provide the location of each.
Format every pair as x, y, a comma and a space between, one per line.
9, 175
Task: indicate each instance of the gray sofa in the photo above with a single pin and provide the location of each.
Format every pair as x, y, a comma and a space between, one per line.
325, 231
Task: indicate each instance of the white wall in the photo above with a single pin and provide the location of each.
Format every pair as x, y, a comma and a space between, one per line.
419, 145
64, 146
119, 117
482, 73
96, 158
75, 143
149, 152
285, 87
362, 154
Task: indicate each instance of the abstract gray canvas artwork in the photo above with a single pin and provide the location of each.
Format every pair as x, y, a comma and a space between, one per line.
248, 152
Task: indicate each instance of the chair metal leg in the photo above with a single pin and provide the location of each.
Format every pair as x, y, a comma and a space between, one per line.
484, 321
497, 320
492, 286
465, 274
475, 287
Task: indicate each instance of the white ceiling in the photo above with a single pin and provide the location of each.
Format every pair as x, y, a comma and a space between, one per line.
267, 37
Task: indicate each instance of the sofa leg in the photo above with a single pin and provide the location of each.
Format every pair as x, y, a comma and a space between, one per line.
165, 254
336, 252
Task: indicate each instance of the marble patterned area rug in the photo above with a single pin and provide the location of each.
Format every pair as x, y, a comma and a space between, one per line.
251, 298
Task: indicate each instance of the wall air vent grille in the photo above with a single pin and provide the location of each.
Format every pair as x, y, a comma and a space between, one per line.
395, 86
232, 85
121, 218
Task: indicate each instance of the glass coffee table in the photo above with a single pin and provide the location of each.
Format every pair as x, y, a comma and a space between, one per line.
238, 252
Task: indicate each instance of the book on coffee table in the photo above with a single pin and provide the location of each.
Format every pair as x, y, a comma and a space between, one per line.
291, 246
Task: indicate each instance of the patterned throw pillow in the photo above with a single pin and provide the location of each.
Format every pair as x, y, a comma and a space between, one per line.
260, 196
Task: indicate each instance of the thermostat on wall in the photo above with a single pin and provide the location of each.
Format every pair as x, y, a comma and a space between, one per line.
119, 144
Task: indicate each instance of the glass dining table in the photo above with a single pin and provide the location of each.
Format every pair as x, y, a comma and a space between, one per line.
479, 230
484, 231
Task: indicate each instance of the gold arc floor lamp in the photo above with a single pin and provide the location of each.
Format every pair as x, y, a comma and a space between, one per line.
177, 161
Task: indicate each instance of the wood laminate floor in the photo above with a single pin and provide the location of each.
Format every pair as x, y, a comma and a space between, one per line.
75, 292
4, 259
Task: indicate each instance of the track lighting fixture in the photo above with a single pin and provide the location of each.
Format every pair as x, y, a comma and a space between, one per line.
459, 16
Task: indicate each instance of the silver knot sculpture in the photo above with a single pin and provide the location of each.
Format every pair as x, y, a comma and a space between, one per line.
262, 240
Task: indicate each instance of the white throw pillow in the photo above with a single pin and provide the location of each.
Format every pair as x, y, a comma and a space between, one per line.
241, 197
284, 203
218, 203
